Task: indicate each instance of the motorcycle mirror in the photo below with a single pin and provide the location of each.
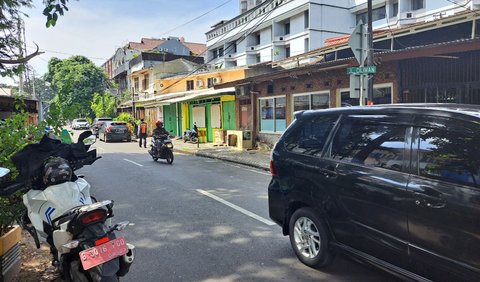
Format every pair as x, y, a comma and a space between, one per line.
84, 135
4, 171
89, 140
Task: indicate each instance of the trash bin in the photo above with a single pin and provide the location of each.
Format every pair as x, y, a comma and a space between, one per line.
202, 135
232, 140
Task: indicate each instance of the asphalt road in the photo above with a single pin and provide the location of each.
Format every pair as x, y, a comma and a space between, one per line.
202, 220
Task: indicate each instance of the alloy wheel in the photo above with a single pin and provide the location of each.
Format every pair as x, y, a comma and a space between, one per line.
307, 237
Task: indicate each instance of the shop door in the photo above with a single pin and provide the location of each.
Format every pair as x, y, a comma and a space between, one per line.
228, 115
170, 118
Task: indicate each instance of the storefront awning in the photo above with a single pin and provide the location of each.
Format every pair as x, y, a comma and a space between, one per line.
200, 94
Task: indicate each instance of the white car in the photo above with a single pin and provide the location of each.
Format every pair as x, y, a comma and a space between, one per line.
80, 123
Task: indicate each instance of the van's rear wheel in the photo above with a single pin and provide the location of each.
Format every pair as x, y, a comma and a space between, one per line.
309, 240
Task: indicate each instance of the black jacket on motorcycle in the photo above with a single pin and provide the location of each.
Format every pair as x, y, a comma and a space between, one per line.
160, 132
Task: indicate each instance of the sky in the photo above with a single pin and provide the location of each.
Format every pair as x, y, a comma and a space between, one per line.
96, 28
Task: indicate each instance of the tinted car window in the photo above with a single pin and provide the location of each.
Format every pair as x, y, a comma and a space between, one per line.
449, 156
310, 135
377, 145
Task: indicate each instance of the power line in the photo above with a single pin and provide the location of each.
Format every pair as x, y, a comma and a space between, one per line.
196, 18
68, 54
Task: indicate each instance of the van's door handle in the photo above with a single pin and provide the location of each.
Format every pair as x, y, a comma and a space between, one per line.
330, 172
429, 201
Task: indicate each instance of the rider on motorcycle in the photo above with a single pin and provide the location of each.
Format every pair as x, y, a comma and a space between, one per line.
160, 131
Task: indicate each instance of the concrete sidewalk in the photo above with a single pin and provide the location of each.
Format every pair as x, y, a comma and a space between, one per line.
254, 158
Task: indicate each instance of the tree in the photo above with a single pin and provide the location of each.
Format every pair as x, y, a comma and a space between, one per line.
43, 90
75, 80
103, 105
12, 59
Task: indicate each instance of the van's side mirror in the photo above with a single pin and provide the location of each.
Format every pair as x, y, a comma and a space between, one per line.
4, 171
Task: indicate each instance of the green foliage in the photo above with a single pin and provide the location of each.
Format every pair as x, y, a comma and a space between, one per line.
103, 105
126, 117
54, 8
42, 89
75, 80
15, 133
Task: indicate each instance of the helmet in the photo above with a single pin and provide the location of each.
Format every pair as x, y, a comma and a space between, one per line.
56, 170
159, 123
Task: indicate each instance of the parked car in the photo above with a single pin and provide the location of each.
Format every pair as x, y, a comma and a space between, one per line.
114, 131
396, 186
80, 123
97, 123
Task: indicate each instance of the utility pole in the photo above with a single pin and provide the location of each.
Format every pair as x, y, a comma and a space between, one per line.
370, 52
20, 55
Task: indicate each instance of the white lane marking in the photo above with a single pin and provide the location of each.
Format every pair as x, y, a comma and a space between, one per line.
132, 162
233, 206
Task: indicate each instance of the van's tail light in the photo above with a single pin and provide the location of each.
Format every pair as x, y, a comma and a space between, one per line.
93, 217
273, 169
109, 128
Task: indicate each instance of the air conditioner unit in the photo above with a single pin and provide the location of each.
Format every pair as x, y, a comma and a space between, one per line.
217, 80
200, 83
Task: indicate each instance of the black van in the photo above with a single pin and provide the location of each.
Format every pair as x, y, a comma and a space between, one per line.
397, 186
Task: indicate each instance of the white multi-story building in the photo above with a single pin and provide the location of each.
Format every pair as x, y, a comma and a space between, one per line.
277, 29
246, 5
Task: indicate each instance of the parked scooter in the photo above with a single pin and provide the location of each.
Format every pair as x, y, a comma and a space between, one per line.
190, 135
61, 212
161, 147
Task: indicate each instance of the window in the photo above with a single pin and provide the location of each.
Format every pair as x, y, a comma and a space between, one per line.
381, 95
310, 102
257, 58
287, 28
287, 52
375, 145
394, 10
307, 45
310, 136
210, 81
362, 17
379, 13
306, 17
257, 39
220, 52
417, 5
215, 54
449, 156
272, 114
189, 85
136, 84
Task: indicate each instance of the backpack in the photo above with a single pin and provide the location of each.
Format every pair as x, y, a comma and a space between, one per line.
143, 128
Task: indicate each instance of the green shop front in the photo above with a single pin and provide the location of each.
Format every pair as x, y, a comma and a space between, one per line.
213, 111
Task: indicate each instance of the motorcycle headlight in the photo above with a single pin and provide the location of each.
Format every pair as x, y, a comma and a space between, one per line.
169, 145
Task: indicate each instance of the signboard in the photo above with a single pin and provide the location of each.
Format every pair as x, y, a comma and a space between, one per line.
362, 70
358, 87
358, 43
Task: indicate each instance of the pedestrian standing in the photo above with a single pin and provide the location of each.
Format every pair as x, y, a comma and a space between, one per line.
142, 133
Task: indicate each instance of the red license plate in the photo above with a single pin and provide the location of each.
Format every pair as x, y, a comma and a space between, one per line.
103, 253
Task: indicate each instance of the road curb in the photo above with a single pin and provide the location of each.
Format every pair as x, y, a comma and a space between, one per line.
210, 156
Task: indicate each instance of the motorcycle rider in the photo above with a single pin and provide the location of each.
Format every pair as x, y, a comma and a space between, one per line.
160, 131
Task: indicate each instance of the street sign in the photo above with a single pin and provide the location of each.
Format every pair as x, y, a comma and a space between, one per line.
362, 70
358, 43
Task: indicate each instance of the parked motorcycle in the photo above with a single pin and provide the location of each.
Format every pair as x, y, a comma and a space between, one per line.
161, 147
190, 135
61, 212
